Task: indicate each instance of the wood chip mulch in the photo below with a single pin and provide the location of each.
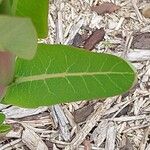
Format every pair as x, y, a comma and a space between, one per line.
117, 123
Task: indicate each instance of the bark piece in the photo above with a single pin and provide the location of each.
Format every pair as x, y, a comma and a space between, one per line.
105, 7
32, 140
82, 133
141, 41
16, 112
146, 11
136, 55
99, 134
80, 115
78, 40
49, 144
128, 145
94, 38
62, 122
111, 137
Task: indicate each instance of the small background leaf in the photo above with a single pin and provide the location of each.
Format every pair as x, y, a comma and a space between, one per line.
141, 41
5, 128
59, 74
18, 36
37, 10
2, 118
94, 38
105, 7
5, 7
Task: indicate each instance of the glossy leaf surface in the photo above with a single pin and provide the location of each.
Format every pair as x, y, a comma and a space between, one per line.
59, 74
18, 36
37, 10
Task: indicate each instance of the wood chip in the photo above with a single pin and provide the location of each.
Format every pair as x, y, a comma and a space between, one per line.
17, 112
141, 41
62, 121
127, 145
111, 136
136, 55
82, 133
80, 115
99, 134
73, 31
12, 145
94, 38
78, 40
32, 140
146, 11
139, 16
144, 140
105, 7
87, 144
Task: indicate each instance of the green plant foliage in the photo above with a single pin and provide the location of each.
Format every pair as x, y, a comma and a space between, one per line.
59, 74
5, 7
2, 118
3, 127
37, 10
18, 36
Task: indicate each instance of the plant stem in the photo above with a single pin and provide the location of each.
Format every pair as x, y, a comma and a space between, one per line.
7, 67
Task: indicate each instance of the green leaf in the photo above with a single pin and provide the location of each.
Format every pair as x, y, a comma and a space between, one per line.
2, 118
59, 74
5, 7
18, 36
1, 1
5, 128
37, 10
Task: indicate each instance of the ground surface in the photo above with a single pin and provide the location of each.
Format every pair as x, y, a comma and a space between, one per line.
118, 123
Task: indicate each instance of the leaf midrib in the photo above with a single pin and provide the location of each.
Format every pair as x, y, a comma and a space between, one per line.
64, 75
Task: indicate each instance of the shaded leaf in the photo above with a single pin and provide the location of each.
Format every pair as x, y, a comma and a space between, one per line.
59, 74
5, 7
141, 40
105, 7
37, 10
2, 118
94, 38
18, 36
